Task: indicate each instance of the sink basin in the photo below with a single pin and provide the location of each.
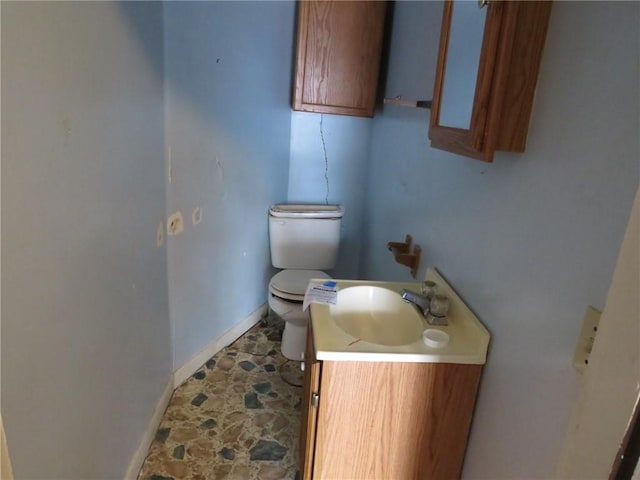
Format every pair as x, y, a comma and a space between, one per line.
376, 315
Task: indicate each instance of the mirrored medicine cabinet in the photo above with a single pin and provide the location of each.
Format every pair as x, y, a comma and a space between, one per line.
488, 62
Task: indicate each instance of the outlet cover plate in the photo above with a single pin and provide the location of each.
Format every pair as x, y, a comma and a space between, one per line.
590, 324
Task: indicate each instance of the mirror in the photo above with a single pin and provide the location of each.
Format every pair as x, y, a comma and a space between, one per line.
462, 61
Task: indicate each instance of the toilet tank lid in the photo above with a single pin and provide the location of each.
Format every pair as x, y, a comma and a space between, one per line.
290, 210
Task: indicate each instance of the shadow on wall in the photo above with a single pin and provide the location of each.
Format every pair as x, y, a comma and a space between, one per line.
144, 26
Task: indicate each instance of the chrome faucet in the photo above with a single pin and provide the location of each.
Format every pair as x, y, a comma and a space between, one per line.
418, 300
422, 303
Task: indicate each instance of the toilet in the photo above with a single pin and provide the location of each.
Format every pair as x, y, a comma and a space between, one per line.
304, 241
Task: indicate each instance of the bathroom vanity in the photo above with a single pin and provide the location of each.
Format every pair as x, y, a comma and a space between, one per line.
382, 409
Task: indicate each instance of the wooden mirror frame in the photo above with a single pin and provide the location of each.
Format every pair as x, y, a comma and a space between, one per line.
512, 45
468, 142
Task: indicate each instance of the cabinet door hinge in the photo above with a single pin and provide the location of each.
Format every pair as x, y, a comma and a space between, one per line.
315, 399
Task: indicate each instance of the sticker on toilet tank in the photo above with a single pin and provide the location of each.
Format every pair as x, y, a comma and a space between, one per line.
326, 292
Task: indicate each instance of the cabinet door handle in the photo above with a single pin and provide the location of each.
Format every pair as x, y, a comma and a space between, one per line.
315, 399
483, 3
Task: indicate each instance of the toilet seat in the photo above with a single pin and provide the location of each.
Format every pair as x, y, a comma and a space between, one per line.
287, 289
292, 284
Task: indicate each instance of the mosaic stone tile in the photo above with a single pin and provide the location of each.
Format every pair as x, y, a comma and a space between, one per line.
267, 450
178, 452
199, 399
247, 366
228, 453
262, 387
162, 434
238, 417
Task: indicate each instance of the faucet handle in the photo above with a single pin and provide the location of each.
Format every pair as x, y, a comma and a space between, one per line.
438, 309
439, 305
429, 289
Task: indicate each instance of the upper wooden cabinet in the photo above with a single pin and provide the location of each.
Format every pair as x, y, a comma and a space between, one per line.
486, 75
339, 45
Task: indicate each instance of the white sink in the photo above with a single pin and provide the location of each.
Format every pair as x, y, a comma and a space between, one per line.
376, 315
371, 323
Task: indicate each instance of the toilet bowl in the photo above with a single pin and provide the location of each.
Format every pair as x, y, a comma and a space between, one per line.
286, 295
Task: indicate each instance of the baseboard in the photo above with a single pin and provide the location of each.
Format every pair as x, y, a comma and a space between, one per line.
179, 376
138, 458
227, 338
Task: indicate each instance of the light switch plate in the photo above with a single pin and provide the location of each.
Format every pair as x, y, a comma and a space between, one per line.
590, 324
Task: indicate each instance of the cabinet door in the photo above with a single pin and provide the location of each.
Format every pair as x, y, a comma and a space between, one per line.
466, 60
486, 76
338, 56
394, 420
309, 412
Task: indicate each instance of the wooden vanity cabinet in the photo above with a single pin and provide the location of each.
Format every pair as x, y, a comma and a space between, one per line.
497, 107
339, 46
385, 420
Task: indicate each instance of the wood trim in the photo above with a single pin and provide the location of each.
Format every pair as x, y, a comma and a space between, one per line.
302, 26
440, 69
510, 59
467, 142
309, 413
485, 95
529, 22
454, 140
502, 54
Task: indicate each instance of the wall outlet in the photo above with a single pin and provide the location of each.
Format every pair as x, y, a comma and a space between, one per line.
590, 324
175, 224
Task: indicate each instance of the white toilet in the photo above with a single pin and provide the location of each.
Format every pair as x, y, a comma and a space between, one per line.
304, 241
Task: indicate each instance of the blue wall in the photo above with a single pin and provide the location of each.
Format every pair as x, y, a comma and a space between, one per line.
529, 241
328, 164
228, 77
86, 347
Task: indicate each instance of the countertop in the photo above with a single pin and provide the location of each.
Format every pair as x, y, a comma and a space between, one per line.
468, 337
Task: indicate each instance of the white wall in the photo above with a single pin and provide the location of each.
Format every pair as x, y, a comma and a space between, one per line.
85, 325
530, 240
610, 387
228, 74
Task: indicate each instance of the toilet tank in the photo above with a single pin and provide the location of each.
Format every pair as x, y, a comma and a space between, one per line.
304, 236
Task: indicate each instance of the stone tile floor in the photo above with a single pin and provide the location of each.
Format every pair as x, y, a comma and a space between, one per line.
237, 417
